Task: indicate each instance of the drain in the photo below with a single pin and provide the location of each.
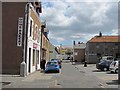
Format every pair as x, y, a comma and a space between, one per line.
58, 84
6, 83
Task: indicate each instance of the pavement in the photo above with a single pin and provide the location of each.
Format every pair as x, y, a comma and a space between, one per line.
34, 80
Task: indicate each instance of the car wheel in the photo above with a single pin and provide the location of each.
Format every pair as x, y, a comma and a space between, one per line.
116, 71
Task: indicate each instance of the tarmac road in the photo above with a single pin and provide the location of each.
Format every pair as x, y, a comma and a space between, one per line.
71, 76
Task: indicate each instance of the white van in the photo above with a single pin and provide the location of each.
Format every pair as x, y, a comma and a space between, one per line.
114, 66
107, 58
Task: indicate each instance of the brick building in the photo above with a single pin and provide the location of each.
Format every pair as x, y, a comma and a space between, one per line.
17, 38
79, 52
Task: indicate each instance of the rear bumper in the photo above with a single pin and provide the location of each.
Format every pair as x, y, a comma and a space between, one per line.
55, 69
51, 70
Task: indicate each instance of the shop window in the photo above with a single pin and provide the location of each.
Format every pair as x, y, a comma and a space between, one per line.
37, 56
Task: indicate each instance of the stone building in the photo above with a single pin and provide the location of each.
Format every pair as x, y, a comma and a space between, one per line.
99, 46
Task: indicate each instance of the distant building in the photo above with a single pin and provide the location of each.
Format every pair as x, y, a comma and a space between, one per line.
15, 21
52, 52
44, 42
65, 51
100, 46
79, 52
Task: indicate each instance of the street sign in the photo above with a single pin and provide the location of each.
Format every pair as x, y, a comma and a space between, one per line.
20, 30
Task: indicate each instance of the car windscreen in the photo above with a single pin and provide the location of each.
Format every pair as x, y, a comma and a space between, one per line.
104, 62
51, 63
113, 63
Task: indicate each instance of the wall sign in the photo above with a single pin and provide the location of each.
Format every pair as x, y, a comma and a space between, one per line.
20, 30
34, 45
75, 53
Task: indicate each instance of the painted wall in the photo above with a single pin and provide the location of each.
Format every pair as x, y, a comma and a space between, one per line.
33, 41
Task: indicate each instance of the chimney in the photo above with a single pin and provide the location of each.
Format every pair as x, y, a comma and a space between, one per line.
100, 34
73, 42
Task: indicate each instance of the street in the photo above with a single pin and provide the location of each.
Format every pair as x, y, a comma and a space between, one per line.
71, 76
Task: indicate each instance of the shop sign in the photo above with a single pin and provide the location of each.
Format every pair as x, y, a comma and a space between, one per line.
76, 53
34, 45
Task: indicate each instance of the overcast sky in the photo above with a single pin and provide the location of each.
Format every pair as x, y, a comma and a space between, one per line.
69, 20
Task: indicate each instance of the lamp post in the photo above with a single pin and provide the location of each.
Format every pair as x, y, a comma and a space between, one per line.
23, 67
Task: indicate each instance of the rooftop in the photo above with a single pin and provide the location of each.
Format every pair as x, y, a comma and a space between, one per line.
105, 39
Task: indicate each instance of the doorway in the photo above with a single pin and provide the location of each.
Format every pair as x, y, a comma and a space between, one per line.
29, 65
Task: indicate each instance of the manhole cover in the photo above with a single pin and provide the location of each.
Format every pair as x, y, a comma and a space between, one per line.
6, 83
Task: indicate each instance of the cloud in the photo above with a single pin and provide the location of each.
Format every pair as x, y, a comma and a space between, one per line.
115, 32
71, 20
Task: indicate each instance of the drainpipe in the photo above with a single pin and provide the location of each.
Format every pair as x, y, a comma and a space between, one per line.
41, 42
118, 41
23, 68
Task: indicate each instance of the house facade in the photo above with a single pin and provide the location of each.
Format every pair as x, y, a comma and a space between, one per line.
52, 52
33, 38
100, 46
44, 42
79, 52
21, 31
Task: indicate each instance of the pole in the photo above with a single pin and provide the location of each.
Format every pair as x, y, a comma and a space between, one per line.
23, 71
73, 52
118, 41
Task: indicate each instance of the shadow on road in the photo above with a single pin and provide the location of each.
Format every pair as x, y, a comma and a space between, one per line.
97, 70
109, 72
52, 72
113, 82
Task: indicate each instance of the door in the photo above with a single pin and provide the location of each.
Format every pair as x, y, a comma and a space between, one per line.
29, 65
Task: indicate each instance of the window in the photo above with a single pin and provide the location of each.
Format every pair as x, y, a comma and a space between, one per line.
97, 46
33, 57
37, 56
31, 27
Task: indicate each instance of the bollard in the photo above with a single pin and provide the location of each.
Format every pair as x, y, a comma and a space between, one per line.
85, 64
23, 69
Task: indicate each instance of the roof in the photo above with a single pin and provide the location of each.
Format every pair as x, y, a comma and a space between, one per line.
80, 46
105, 39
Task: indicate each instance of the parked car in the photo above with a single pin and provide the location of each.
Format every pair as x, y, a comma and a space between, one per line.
114, 66
59, 62
103, 65
52, 66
